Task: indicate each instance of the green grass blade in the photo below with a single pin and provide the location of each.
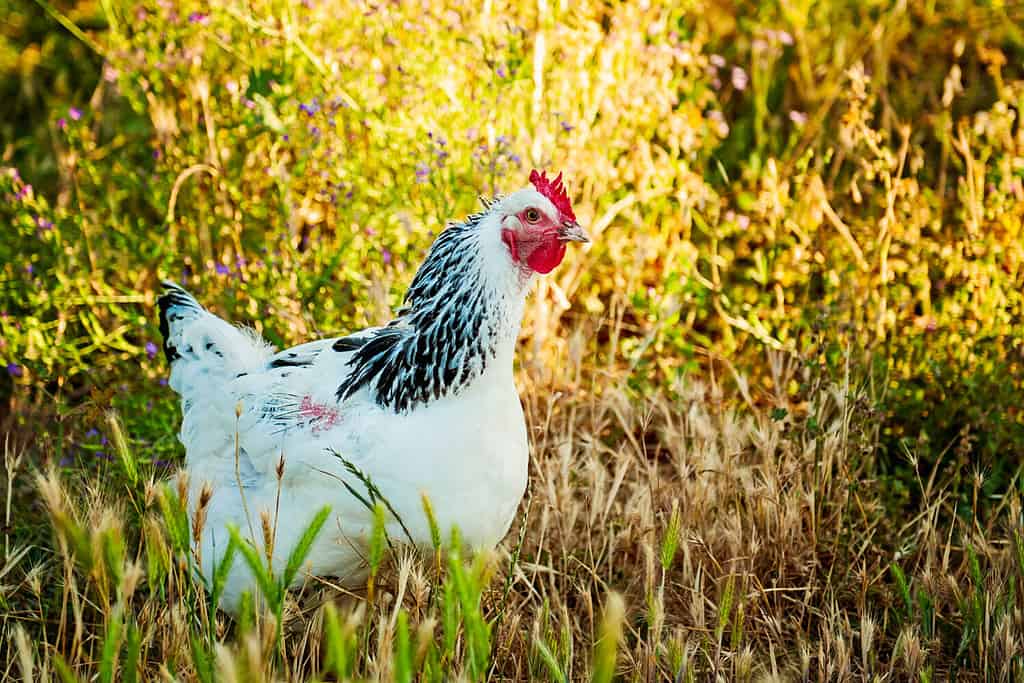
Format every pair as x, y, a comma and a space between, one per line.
377, 538
124, 454
305, 544
133, 647
111, 645
222, 571
550, 661
264, 579
63, 670
403, 650
337, 660
202, 661
607, 646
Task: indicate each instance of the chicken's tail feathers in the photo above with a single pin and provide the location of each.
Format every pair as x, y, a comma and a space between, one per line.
176, 307
202, 349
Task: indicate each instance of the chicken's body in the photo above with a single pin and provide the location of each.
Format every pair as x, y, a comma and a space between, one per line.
424, 405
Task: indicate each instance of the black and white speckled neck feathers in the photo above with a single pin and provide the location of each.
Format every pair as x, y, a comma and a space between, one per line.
452, 324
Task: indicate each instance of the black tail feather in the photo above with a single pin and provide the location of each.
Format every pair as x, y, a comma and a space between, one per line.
173, 297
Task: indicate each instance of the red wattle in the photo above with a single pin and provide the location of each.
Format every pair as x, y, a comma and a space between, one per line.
546, 256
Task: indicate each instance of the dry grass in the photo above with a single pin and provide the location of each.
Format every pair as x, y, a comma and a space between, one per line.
716, 540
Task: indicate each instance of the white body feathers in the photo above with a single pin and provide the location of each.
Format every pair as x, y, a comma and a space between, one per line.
425, 405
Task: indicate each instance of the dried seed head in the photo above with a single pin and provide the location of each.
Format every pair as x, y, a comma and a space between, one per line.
182, 483
132, 575
908, 648
205, 494
199, 520
268, 532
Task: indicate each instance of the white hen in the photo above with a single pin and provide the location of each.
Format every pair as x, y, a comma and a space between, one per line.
423, 405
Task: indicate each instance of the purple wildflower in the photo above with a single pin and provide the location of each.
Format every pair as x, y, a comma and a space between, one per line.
75, 113
92, 433
62, 123
151, 350
43, 223
566, 126
739, 78
29, 268
422, 171
501, 71
385, 256
14, 370
199, 18
162, 381
221, 269
157, 154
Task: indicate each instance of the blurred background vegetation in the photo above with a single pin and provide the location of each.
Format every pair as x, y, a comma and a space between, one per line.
835, 179
841, 182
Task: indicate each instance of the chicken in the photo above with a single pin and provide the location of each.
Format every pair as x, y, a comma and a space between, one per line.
425, 404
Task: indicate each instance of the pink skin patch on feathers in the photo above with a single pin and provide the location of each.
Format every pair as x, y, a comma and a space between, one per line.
320, 416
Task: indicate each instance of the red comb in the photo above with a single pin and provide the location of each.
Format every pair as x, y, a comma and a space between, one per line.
554, 190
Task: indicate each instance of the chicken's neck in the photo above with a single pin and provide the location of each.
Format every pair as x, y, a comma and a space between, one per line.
459, 318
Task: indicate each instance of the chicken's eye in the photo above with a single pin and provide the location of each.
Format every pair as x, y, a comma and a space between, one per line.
532, 215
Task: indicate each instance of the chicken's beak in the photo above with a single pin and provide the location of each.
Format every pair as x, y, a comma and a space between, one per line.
572, 231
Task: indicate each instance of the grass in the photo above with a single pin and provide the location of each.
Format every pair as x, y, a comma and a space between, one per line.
673, 538
774, 408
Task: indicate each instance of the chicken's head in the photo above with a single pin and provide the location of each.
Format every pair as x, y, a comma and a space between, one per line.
537, 222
